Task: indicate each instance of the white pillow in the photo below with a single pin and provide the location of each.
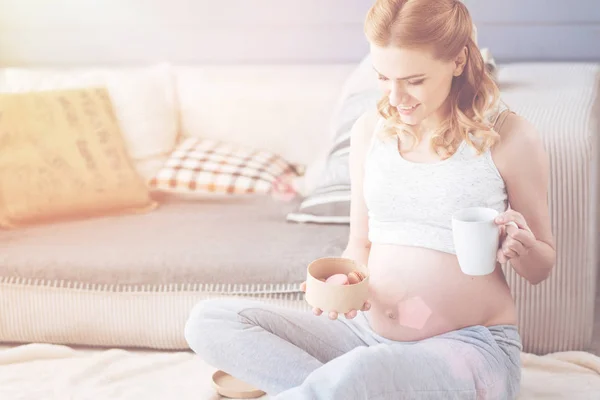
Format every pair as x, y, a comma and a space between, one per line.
143, 98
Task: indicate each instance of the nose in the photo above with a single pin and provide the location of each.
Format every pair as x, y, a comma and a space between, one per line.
397, 96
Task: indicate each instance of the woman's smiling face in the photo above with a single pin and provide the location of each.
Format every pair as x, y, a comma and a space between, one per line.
416, 83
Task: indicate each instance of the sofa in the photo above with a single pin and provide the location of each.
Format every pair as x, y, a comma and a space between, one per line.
130, 280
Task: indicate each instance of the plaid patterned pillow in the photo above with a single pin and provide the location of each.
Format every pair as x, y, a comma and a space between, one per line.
211, 166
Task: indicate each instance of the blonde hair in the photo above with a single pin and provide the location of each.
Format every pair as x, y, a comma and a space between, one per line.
445, 27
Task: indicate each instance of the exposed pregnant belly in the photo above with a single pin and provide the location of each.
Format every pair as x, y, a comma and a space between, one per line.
417, 293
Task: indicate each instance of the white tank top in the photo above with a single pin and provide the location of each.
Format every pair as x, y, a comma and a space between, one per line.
411, 204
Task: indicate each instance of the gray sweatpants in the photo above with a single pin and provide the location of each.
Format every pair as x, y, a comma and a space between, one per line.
296, 355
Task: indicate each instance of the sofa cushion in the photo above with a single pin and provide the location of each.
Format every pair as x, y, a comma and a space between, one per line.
132, 281
221, 241
63, 156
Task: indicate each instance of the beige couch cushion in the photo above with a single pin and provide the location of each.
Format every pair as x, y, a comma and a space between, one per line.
219, 240
131, 281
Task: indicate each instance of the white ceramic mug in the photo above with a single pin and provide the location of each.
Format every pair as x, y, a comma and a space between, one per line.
476, 240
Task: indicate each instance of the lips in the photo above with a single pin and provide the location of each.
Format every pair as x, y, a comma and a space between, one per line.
407, 110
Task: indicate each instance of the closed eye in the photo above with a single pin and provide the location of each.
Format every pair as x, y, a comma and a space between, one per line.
416, 83
382, 78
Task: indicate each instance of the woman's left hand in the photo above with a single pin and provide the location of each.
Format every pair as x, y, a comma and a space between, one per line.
516, 239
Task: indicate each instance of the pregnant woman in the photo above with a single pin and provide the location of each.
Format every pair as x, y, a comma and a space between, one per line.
438, 141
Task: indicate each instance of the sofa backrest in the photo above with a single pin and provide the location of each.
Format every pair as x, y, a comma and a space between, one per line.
282, 108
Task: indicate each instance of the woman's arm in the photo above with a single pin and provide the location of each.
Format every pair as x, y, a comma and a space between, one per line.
523, 163
359, 246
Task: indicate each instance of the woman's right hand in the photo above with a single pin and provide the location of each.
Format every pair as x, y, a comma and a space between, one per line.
334, 315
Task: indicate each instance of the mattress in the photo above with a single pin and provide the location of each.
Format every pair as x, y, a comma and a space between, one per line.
132, 280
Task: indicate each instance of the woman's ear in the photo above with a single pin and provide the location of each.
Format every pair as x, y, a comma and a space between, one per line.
460, 61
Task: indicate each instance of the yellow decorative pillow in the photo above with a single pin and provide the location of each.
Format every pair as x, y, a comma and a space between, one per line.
62, 155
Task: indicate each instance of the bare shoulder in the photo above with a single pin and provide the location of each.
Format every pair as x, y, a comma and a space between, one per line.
520, 145
517, 129
517, 135
364, 127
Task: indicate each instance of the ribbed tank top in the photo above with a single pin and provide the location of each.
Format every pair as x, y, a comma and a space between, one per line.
412, 203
